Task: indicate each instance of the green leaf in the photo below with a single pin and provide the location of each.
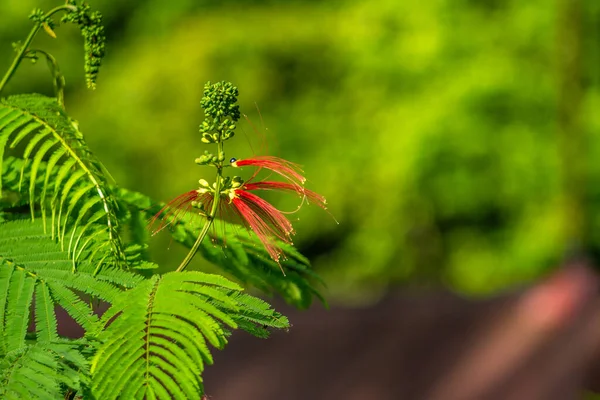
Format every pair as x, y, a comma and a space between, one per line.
45, 318
37, 371
18, 302
32, 264
154, 336
48, 132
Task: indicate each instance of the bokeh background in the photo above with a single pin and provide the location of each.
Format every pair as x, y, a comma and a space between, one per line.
455, 140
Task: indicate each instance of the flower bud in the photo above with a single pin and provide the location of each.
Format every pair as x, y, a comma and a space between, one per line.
237, 182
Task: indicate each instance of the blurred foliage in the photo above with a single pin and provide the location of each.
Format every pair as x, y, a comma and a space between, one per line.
431, 127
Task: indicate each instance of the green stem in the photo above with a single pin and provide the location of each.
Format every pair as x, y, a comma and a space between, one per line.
210, 217
58, 78
15, 64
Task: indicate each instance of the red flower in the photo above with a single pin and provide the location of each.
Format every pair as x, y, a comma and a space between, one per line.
267, 222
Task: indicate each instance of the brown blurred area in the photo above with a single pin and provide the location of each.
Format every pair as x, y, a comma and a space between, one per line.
394, 349
540, 343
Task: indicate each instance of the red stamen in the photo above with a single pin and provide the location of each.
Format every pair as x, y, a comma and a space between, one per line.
265, 220
280, 226
299, 190
289, 170
173, 210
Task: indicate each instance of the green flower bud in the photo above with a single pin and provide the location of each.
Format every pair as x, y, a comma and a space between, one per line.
236, 182
92, 30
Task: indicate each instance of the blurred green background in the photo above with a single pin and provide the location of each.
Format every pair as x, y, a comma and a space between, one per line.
455, 140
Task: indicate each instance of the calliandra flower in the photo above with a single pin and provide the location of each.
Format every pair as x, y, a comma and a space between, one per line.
255, 213
266, 221
287, 169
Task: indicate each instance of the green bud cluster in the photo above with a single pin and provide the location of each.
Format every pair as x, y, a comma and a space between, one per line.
228, 184
92, 30
220, 100
204, 186
206, 158
232, 183
44, 20
37, 15
209, 158
221, 110
41, 18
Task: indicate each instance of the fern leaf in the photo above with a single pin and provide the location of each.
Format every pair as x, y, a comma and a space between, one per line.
75, 198
155, 336
65, 190
73, 357
5, 278
77, 309
33, 142
45, 319
52, 161
32, 262
41, 123
18, 302
38, 371
30, 377
257, 315
10, 195
83, 212
40, 154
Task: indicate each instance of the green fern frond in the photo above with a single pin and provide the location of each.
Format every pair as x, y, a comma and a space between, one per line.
11, 175
159, 332
78, 240
18, 301
256, 316
54, 148
33, 266
29, 373
45, 318
238, 252
42, 371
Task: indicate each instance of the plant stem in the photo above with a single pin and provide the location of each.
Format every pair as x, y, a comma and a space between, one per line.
210, 217
58, 78
15, 64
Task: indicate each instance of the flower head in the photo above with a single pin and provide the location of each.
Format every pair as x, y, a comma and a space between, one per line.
238, 198
234, 195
